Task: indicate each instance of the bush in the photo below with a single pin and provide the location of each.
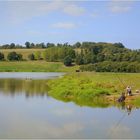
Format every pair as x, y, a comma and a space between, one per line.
1, 56
108, 66
67, 61
13, 56
31, 57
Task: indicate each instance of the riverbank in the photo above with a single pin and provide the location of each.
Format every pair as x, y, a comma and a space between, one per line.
35, 66
86, 88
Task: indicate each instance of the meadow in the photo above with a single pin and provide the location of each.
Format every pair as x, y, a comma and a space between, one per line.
34, 66
24, 52
86, 88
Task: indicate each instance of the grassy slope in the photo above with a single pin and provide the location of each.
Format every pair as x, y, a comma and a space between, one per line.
35, 66
24, 52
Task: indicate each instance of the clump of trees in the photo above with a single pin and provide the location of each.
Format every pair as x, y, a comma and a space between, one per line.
56, 54
90, 56
13, 56
67, 61
108, 66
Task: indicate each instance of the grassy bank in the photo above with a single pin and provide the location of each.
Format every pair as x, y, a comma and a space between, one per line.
85, 88
35, 66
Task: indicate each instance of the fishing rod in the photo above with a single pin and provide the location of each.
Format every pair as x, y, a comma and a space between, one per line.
120, 79
117, 125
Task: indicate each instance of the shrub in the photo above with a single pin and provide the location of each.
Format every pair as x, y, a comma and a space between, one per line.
31, 57
13, 56
67, 61
1, 56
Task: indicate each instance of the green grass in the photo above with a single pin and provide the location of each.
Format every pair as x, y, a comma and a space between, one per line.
136, 102
35, 66
85, 88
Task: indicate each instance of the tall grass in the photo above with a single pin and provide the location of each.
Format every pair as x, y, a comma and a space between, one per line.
87, 87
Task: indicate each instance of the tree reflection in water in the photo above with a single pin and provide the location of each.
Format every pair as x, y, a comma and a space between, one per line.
12, 87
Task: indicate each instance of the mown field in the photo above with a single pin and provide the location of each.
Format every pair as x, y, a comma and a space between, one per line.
35, 66
24, 52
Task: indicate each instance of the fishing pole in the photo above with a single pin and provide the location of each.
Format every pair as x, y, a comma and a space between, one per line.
120, 80
117, 125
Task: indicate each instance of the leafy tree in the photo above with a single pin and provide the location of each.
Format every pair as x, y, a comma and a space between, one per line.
67, 61
50, 45
77, 45
32, 45
27, 44
37, 55
12, 45
79, 60
31, 56
1, 56
13, 56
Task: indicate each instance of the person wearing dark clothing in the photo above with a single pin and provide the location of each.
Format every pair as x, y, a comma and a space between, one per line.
122, 98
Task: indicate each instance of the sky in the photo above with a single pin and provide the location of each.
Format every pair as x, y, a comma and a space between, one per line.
70, 21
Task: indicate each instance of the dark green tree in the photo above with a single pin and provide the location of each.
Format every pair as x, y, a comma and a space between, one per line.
13, 56
12, 45
27, 44
79, 59
67, 61
1, 56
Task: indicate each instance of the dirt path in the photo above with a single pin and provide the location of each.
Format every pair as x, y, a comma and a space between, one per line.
113, 98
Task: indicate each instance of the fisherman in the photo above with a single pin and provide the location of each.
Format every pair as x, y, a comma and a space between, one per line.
122, 98
128, 91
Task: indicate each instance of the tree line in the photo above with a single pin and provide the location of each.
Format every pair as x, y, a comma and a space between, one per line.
29, 45
92, 56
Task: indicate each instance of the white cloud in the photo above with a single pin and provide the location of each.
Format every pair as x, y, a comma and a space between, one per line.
74, 10
64, 25
20, 11
117, 6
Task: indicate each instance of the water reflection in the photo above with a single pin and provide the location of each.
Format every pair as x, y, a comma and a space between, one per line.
27, 117
12, 87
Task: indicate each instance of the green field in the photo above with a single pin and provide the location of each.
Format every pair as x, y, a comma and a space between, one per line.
24, 52
86, 88
35, 66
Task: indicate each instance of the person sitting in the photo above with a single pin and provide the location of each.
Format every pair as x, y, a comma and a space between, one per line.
122, 98
129, 91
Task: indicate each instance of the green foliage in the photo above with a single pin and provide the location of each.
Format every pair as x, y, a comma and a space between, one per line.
89, 88
105, 57
80, 88
55, 54
108, 66
79, 59
37, 55
137, 101
67, 61
1, 56
31, 57
13, 56
27, 44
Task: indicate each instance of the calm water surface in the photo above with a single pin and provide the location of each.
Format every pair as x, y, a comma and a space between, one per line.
28, 112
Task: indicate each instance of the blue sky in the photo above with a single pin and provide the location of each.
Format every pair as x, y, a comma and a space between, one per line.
70, 21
